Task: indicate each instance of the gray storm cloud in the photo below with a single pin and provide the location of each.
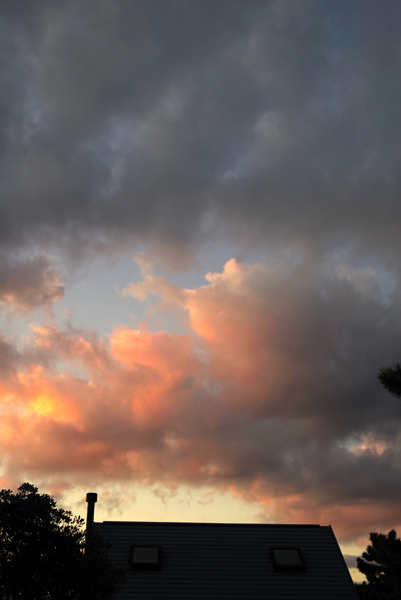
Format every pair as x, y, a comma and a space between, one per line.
170, 123
29, 283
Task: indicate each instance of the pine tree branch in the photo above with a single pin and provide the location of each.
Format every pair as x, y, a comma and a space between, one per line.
390, 378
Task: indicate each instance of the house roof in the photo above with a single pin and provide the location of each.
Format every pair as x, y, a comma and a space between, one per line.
221, 561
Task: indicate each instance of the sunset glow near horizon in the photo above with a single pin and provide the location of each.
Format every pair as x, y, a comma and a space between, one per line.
199, 260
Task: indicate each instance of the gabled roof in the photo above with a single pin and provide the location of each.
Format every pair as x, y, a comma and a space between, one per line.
229, 561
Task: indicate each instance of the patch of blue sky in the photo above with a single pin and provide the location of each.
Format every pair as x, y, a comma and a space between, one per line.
92, 301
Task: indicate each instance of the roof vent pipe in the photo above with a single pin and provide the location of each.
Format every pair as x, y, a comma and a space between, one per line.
91, 499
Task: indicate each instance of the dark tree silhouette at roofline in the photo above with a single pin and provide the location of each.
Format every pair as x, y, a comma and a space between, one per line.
42, 552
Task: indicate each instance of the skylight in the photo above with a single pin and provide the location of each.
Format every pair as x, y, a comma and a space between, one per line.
145, 557
287, 559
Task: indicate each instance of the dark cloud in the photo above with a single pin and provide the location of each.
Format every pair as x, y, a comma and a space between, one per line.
30, 283
152, 121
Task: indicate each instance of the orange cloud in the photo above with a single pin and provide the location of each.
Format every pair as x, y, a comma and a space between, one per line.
248, 399
44, 400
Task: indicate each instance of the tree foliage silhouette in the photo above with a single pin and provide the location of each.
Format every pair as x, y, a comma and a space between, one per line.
390, 378
42, 552
381, 565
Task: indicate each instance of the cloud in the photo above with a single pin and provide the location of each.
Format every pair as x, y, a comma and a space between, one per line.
30, 283
163, 127
269, 393
172, 124
350, 561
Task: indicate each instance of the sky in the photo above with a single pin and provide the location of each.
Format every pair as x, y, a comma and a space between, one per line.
199, 259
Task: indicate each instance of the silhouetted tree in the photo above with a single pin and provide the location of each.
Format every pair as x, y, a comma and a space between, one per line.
381, 565
41, 552
390, 378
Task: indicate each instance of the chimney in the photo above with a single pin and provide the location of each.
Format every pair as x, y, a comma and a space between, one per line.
91, 499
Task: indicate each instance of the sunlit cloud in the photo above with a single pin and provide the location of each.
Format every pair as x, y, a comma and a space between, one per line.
251, 408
